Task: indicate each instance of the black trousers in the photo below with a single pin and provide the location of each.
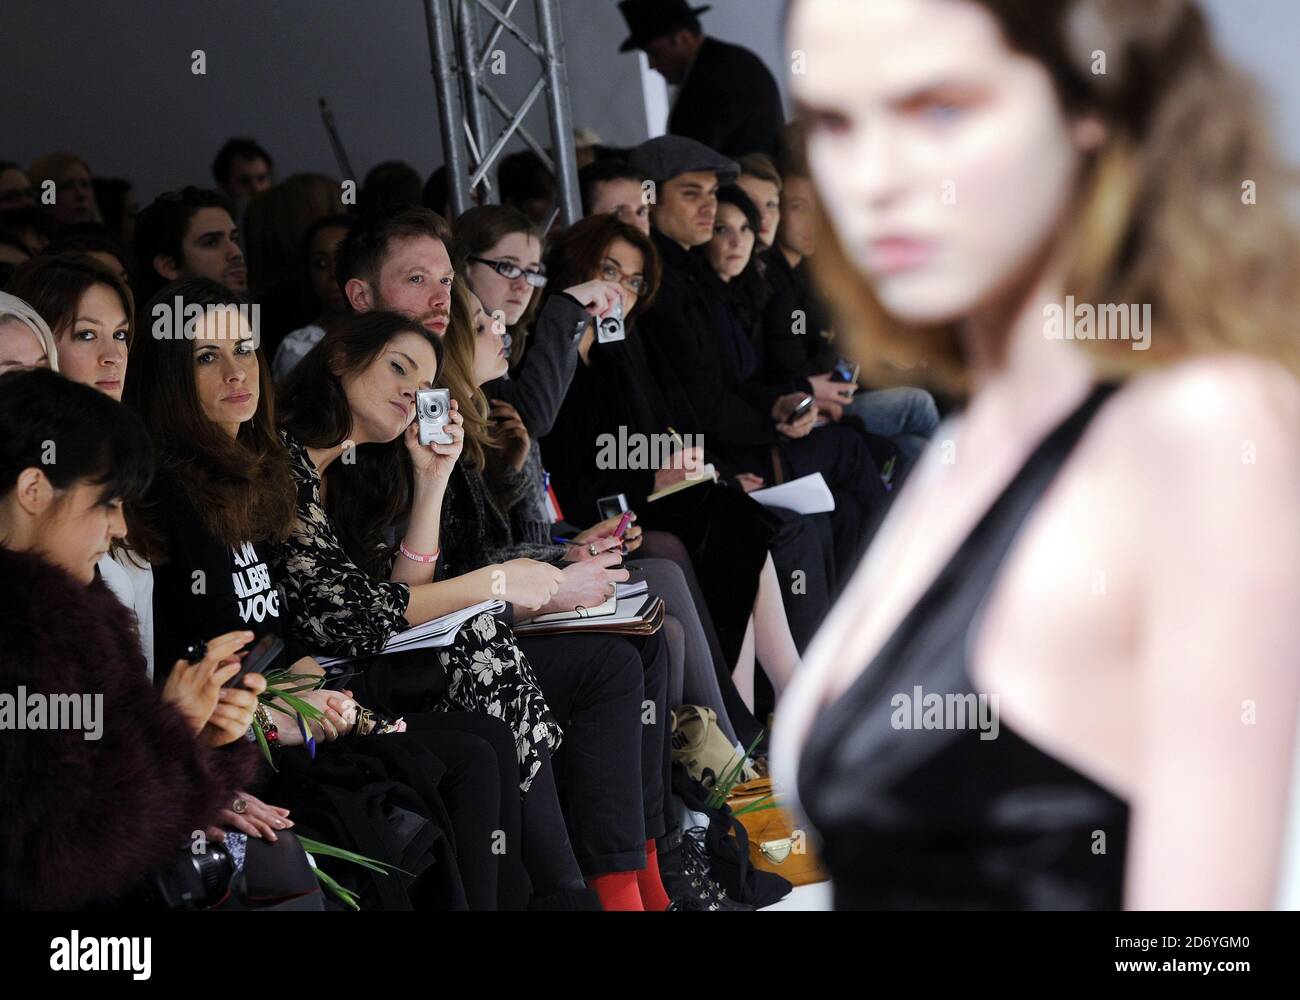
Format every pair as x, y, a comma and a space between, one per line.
506, 846
610, 695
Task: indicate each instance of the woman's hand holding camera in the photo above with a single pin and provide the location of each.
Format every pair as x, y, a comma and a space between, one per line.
432, 463
598, 296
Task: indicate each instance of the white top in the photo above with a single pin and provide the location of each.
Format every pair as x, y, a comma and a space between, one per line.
294, 348
132, 584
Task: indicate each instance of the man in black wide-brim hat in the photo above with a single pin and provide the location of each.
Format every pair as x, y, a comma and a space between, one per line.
728, 99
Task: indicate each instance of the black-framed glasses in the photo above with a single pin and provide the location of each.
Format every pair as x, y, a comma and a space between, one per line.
534, 276
637, 285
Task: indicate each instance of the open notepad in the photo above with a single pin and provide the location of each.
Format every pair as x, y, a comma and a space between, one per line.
708, 474
434, 634
605, 610
639, 614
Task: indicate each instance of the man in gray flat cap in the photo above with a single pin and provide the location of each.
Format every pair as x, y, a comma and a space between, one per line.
686, 175
682, 338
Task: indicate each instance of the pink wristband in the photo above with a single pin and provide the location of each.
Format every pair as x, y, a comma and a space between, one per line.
416, 557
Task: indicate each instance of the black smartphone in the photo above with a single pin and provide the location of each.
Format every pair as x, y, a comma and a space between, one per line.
804, 406
259, 659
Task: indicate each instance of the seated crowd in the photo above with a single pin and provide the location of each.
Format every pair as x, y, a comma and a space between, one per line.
211, 438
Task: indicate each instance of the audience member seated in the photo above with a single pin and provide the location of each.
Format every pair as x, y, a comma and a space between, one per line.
526, 184
16, 190
172, 758
707, 357
25, 338
242, 170
188, 234
274, 235
74, 194
615, 187
322, 244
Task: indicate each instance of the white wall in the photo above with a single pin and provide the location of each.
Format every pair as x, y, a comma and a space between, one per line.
113, 81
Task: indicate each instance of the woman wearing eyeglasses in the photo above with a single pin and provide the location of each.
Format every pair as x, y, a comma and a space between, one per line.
499, 251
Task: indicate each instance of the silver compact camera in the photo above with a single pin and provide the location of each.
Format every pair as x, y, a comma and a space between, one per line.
432, 410
609, 329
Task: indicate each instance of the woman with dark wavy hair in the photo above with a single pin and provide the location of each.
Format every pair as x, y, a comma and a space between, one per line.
1040, 689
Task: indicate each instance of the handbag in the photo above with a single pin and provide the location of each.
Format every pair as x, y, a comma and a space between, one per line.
775, 844
700, 745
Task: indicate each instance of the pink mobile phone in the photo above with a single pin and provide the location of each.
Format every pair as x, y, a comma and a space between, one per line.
623, 523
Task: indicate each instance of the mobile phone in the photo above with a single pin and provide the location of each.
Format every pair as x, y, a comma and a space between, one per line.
623, 523
259, 659
433, 410
607, 507
845, 371
804, 406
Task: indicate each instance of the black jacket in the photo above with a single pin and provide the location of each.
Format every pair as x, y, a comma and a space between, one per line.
788, 353
690, 349
83, 821
729, 102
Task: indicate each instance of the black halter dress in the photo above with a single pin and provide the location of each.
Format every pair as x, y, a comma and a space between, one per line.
913, 816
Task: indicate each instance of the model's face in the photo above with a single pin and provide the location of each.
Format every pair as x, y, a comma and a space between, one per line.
509, 296
321, 257
490, 361
226, 369
732, 244
622, 197
414, 280
942, 156
211, 250
15, 189
19, 347
686, 209
93, 346
766, 197
382, 395
249, 176
74, 196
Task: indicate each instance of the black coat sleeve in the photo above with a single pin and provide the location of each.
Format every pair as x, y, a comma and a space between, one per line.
537, 389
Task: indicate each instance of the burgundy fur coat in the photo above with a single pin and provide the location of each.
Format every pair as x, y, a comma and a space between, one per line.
84, 820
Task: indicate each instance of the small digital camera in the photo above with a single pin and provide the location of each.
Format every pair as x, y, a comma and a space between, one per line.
432, 410
609, 329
